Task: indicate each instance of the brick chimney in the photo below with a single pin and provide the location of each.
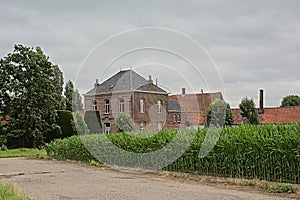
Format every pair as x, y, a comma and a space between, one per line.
96, 83
261, 102
150, 83
183, 91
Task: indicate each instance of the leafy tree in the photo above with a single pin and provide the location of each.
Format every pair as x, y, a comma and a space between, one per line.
93, 121
219, 114
124, 123
249, 111
81, 127
30, 92
73, 100
65, 120
290, 100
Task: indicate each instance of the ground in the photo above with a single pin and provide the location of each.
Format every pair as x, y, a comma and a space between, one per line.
51, 179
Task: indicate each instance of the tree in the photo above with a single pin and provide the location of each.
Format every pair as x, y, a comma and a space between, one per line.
290, 100
30, 92
219, 114
93, 121
124, 123
65, 120
249, 111
73, 100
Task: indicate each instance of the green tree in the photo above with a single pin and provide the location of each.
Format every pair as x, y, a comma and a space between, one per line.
93, 121
81, 127
249, 111
290, 100
30, 92
73, 100
219, 114
124, 123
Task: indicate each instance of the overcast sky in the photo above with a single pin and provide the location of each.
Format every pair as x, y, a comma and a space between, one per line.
236, 47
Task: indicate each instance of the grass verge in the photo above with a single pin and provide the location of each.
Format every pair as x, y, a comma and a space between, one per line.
6, 193
22, 152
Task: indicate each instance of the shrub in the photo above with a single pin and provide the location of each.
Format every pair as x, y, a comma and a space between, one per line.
93, 121
65, 121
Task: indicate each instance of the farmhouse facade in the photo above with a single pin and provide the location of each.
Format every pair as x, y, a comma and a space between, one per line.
149, 107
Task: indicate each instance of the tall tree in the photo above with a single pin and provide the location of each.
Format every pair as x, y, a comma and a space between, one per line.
30, 92
249, 111
73, 100
219, 114
290, 100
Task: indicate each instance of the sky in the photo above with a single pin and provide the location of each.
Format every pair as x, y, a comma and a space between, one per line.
236, 47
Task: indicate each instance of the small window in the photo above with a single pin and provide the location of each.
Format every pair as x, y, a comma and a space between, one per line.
106, 107
142, 106
174, 118
178, 118
159, 126
142, 127
121, 105
94, 105
159, 106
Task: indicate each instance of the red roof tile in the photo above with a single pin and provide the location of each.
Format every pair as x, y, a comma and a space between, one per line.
276, 115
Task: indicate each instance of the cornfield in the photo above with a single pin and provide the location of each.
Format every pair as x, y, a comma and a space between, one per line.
268, 152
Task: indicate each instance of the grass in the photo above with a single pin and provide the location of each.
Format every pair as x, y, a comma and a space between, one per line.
7, 193
23, 152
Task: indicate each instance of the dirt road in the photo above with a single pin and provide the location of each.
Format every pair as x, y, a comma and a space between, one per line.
50, 180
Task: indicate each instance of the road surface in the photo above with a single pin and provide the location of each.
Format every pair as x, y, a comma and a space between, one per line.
50, 180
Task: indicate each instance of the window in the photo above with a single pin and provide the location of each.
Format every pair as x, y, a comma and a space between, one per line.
174, 118
106, 107
142, 106
178, 118
94, 105
159, 106
159, 126
121, 105
107, 128
142, 127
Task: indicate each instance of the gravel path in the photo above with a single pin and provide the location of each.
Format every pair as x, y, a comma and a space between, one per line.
50, 180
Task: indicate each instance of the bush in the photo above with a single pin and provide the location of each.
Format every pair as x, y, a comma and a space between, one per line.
65, 120
93, 121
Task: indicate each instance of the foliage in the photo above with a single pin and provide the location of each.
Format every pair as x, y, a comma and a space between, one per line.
281, 188
219, 114
30, 92
124, 123
73, 100
268, 152
8, 193
81, 127
65, 120
290, 100
93, 121
248, 111
22, 152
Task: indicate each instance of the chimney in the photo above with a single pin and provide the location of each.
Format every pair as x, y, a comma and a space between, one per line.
97, 83
150, 83
261, 101
156, 82
183, 91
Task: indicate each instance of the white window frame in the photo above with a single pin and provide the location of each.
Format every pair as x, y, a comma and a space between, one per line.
121, 105
159, 106
107, 129
174, 118
94, 105
142, 126
142, 105
178, 118
106, 107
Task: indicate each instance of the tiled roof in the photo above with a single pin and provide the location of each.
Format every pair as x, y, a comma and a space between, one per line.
124, 81
276, 115
195, 105
173, 105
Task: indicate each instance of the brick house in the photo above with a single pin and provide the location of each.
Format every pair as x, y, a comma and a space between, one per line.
146, 104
